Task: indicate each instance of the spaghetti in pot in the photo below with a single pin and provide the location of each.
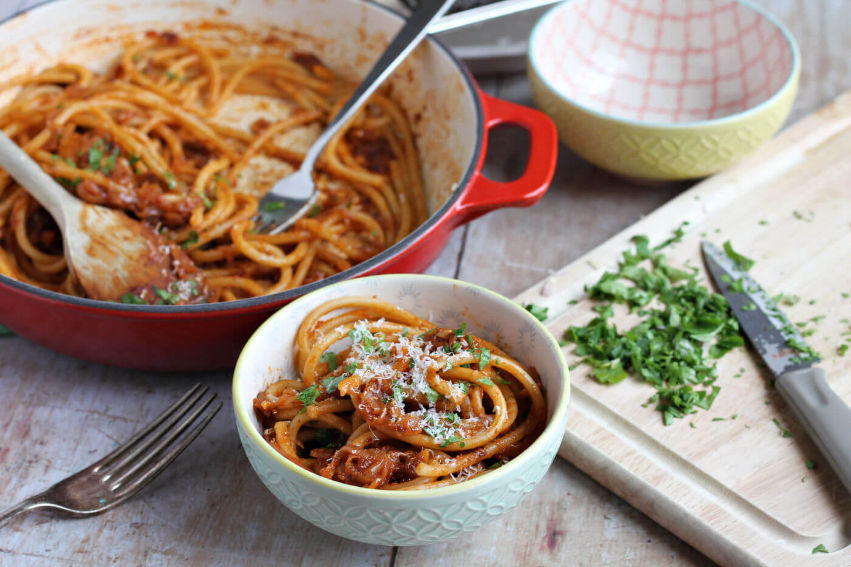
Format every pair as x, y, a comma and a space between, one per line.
385, 399
163, 136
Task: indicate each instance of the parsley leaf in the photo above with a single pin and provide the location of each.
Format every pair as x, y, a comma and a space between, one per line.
331, 383
820, 548
484, 357
783, 431
538, 312
742, 262
331, 358
167, 296
131, 298
193, 239
398, 392
308, 396
273, 206
432, 395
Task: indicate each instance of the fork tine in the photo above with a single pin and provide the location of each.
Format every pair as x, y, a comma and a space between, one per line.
119, 456
165, 459
261, 226
143, 455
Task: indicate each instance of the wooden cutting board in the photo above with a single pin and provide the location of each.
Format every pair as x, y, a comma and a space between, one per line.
734, 488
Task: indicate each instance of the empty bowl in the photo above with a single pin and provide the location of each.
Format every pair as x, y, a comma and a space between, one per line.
661, 90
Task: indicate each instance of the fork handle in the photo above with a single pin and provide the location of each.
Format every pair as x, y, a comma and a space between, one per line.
30, 503
405, 41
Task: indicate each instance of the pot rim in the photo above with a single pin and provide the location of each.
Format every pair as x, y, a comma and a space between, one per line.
253, 303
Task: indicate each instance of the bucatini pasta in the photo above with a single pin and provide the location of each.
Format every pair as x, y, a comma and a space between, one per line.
385, 399
186, 135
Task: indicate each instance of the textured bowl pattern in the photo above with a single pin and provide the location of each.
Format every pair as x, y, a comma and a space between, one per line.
404, 517
397, 523
663, 90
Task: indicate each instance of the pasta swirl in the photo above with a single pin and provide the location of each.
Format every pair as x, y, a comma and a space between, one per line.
386, 399
186, 134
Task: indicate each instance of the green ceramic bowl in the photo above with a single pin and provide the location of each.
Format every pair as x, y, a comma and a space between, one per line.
404, 517
660, 90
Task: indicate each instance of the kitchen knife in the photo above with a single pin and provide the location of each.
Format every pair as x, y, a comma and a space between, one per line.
823, 414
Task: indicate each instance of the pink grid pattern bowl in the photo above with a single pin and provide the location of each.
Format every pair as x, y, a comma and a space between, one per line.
663, 90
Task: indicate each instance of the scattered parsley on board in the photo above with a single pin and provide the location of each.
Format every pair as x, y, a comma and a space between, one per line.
684, 328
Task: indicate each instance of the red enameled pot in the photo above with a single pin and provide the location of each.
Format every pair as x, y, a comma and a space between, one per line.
452, 121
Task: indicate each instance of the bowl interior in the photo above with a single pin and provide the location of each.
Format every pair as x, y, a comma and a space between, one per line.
663, 61
269, 354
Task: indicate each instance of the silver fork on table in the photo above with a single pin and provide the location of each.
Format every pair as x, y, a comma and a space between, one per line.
125, 471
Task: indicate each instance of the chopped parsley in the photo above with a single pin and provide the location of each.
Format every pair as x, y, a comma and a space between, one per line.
193, 239
486, 381
820, 548
167, 296
460, 331
811, 464
95, 154
331, 383
454, 439
783, 431
432, 395
208, 204
308, 396
273, 206
668, 348
314, 210
742, 262
537, 311
331, 358
398, 392
484, 358
131, 298
170, 180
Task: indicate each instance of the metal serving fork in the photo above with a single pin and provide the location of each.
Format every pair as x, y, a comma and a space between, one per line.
293, 196
122, 473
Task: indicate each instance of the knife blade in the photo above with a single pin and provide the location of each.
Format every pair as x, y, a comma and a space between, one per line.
825, 417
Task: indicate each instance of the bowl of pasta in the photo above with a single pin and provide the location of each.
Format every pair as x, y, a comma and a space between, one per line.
183, 113
401, 409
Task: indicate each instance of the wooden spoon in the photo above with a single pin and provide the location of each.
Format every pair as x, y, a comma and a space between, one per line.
110, 253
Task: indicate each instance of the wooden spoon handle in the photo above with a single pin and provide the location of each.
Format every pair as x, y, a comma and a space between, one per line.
39, 184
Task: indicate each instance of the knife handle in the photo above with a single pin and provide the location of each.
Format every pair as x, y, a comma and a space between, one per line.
823, 414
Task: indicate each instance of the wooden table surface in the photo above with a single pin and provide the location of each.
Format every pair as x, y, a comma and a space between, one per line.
59, 414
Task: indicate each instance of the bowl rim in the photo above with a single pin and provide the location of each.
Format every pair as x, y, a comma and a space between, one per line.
789, 83
252, 303
554, 426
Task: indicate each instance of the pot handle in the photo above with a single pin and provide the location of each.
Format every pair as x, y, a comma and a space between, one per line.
485, 195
